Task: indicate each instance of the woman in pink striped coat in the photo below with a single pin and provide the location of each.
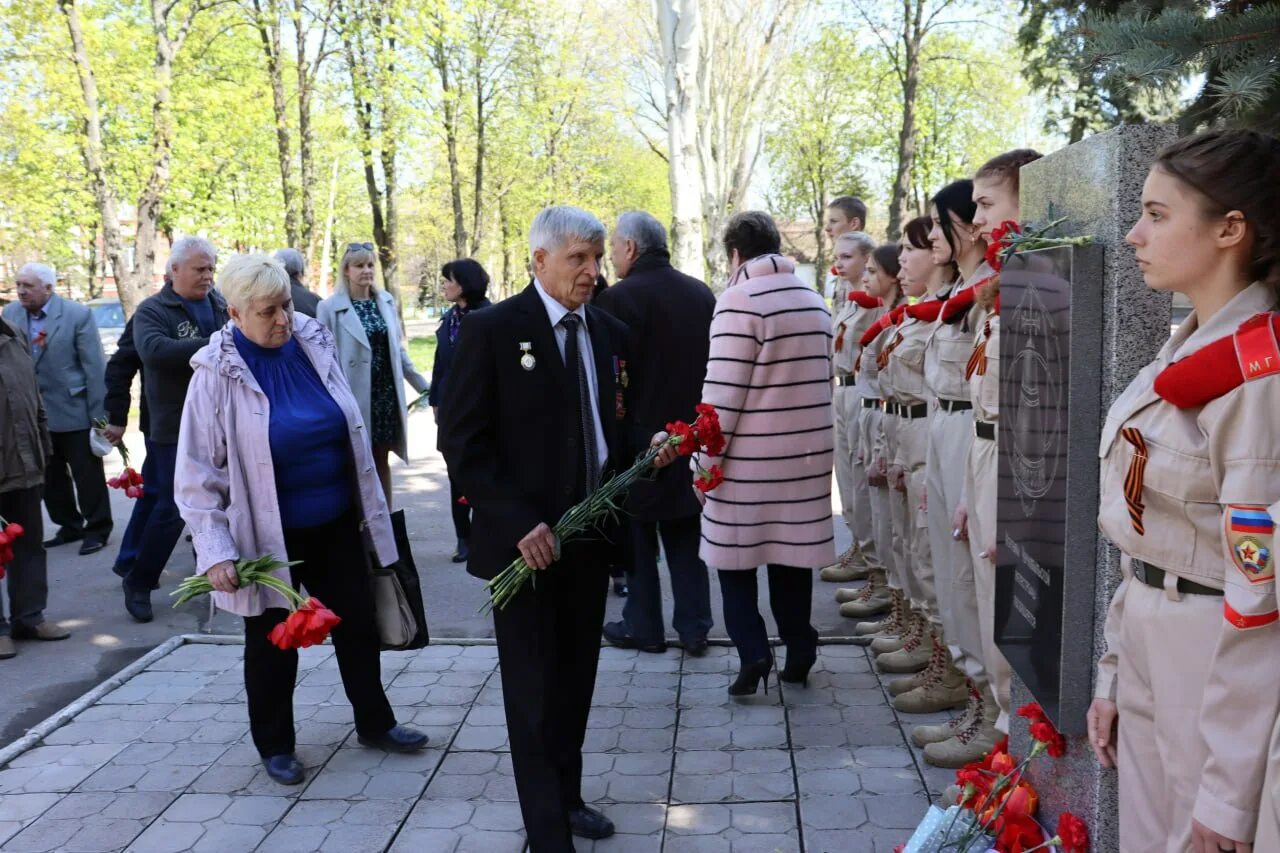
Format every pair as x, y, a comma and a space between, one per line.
769, 375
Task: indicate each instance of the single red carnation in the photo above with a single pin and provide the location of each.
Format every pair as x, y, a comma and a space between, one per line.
1073, 833
14, 530
1045, 733
709, 478
688, 444
1017, 833
1033, 712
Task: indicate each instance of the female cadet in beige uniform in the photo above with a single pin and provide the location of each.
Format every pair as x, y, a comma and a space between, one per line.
1190, 474
880, 281
947, 348
854, 313
986, 718
902, 376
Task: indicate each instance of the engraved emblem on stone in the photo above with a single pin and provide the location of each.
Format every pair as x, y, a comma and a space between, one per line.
527, 361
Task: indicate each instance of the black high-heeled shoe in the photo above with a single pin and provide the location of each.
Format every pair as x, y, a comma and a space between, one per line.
797, 670
749, 677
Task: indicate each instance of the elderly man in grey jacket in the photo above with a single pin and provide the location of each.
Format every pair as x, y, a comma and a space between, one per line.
24, 447
63, 340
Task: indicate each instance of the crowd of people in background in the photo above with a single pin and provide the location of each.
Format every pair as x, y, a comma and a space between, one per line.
268, 431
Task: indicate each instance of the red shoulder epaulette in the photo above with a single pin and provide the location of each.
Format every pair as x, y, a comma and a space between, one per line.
1252, 352
880, 325
959, 304
864, 299
927, 311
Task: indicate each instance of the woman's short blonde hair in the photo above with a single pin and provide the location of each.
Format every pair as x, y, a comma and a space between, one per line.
355, 252
246, 278
861, 241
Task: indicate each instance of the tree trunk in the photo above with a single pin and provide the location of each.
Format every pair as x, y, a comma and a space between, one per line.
268, 26
679, 24
450, 123
326, 244
912, 37
307, 74
481, 118
94, 160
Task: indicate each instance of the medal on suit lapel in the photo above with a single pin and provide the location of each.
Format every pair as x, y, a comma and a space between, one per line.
527, 361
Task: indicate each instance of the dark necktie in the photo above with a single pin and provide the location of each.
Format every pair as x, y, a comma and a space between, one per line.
578, 370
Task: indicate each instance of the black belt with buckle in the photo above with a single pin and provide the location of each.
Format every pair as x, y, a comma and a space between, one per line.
1154, 577
954, 405
846, 379
872, 403
984, 430
919, 410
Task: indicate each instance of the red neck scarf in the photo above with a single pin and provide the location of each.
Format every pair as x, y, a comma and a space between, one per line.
1219, 368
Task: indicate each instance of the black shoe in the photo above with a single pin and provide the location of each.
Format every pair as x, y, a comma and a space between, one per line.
797, 669
124, 573
285, 769
461, 553
750, 676
586, 822
397, 739
92, 545
616, 634
695, 648
620, 588
137, 603
64, 537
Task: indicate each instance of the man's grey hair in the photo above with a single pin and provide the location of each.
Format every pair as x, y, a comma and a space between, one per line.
42, 273
861, 240
294, 264
557, 225
643, 229
185, 247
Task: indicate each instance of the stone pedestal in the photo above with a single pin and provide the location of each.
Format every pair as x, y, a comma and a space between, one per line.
1097, 185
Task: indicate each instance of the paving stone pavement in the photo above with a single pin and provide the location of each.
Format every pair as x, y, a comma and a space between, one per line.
164, 763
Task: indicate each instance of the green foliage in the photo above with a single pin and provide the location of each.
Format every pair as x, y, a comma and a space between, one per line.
1236, 47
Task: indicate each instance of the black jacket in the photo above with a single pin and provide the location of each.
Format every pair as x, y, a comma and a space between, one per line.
444, 354
304, 301
166, 337
669, 315
506, 433
123, 365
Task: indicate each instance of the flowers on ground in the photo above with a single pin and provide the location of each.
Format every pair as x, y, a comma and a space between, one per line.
309, 621
702, 435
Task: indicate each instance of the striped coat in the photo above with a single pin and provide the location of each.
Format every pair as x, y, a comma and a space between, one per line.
769, 375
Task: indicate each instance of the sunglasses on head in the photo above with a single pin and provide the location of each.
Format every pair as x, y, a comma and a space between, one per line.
359, 247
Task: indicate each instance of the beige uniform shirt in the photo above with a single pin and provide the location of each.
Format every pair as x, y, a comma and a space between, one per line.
984, 384
1211, 472
902, 379
850, 325
950, 344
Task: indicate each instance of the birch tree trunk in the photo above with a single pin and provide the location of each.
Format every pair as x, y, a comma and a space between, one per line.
95, 161
679, 26
267, 22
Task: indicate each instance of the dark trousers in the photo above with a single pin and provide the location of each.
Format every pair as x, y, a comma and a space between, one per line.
27, 576
85, 507
790, 598
333, 570
131, 542
461, 512
548, 649
163, 527
690, 586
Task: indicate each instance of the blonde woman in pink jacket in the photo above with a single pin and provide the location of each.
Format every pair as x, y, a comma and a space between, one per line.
769, 375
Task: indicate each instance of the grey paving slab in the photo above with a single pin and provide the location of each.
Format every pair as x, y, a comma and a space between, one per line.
453, 826
208, 823
18, 811
474, 776
338, 826
733, 828
727, 776
367, 774
90, 823
626, 777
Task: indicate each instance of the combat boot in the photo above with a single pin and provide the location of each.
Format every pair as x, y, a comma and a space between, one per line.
944, 688
914, 655
874, 599
924, 735
850, 593
973, 743
895, 625
851, 566
891, 642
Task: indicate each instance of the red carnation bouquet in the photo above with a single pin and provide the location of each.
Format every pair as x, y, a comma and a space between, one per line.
1008, 238
309, 621
997, 806
130, 481
8, 532
702, 435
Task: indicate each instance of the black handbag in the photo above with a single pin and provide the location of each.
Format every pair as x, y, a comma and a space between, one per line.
398, 596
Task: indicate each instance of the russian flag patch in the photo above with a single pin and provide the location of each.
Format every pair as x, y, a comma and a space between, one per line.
1250, 533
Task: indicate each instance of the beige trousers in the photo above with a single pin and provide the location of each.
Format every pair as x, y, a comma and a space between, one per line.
869, 426
980, 487
913, 452
1166, 648
950, 436
897, 503
851, 475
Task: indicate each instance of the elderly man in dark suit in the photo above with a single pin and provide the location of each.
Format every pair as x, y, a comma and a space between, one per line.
64, 343
669, 315
534, 420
